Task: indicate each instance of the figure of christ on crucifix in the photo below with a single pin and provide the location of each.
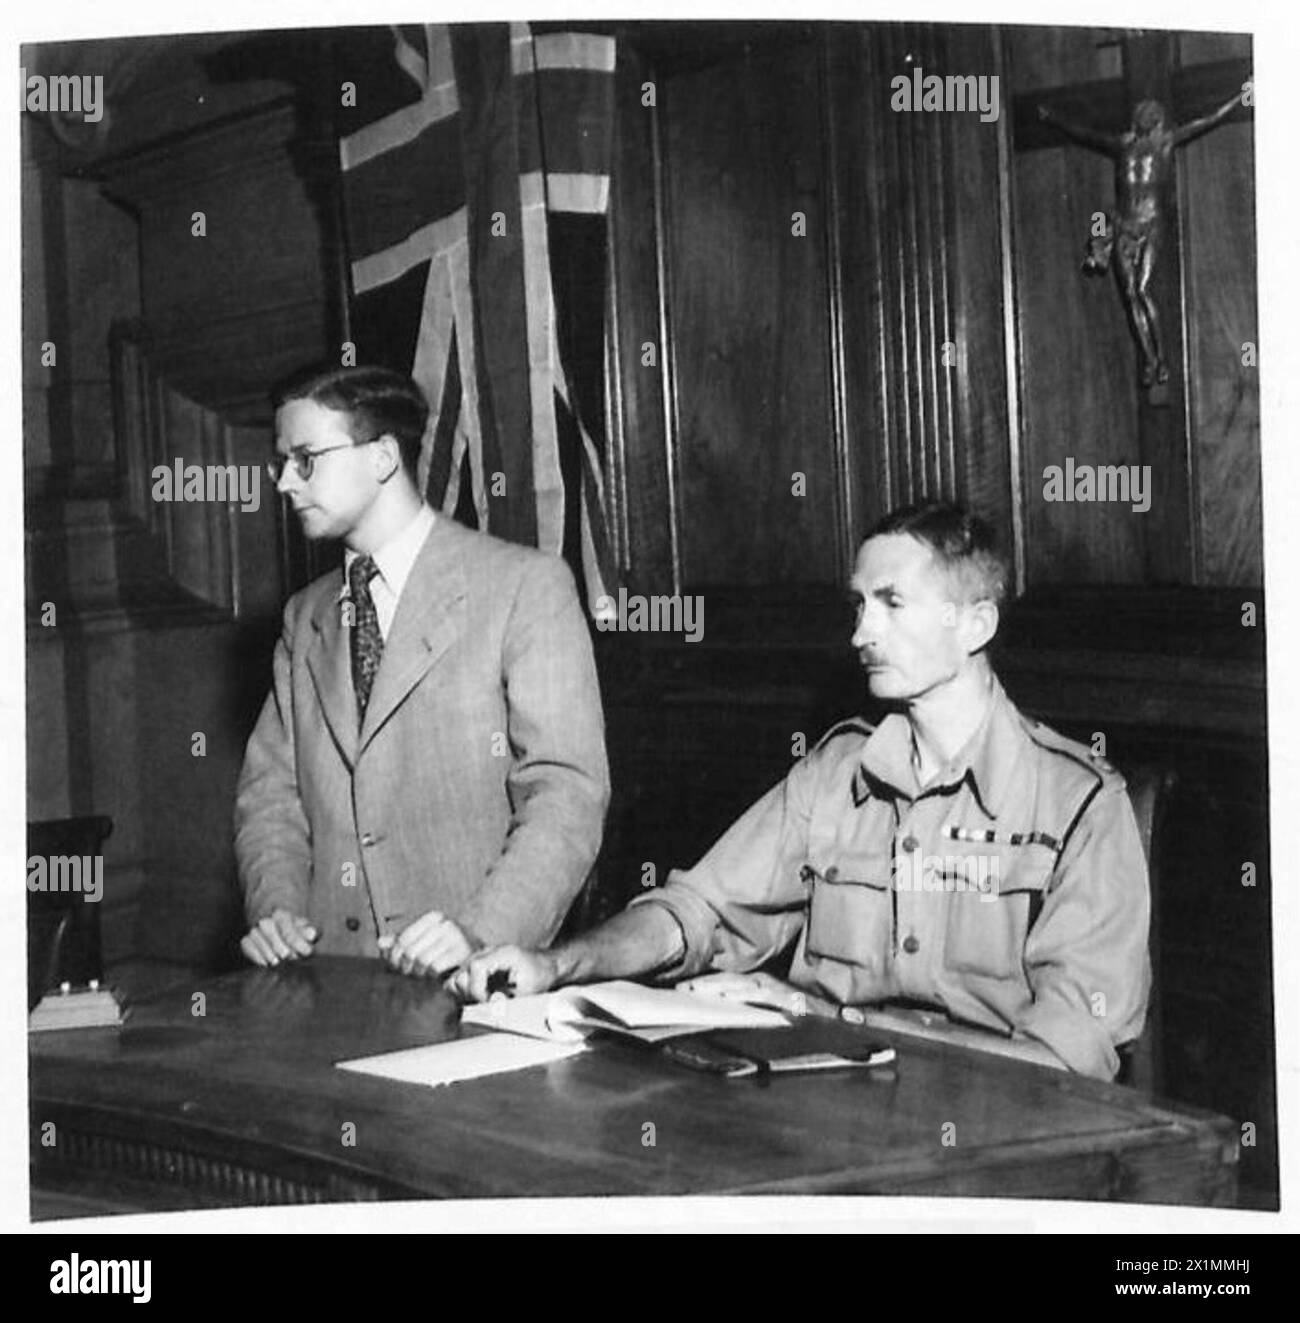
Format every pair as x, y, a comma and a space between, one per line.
1143, 156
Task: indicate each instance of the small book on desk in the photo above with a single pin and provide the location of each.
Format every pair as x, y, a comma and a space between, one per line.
811, 1045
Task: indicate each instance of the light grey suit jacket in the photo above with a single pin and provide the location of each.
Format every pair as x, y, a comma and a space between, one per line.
477, 783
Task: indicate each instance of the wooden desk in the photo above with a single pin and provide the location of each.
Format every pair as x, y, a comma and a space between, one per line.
242, 1105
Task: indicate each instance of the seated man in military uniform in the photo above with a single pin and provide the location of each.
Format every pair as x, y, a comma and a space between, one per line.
957, 856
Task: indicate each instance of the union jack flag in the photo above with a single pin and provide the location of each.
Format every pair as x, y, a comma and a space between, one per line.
446, 201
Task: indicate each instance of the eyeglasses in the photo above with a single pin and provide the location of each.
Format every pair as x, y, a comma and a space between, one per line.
304, 460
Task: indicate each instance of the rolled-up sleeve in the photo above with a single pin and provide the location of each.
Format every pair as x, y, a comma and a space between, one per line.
745, 901
1086, 957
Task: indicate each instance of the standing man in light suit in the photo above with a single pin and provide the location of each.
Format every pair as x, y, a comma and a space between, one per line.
428, 773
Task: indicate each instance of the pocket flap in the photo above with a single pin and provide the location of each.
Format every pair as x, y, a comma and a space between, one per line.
850, 917
991, 872
1027, 868
851, 868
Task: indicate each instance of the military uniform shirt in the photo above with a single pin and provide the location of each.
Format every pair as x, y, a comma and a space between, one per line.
1009, 892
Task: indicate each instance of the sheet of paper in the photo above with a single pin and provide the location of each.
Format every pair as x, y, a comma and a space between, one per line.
462, 1059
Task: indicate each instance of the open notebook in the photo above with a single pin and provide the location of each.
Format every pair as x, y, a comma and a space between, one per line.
549, 1027
647, 1014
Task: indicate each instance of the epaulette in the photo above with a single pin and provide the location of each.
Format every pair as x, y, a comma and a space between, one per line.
1075, 750
858, 726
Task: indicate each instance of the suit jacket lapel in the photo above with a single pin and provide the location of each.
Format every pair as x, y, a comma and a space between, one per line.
330, 663
430, 615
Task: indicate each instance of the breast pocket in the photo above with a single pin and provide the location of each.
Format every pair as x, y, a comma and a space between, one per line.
850, 916
989, 919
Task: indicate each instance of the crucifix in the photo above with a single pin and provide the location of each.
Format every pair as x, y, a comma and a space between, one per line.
1131, 237
1141, 237
1144, 163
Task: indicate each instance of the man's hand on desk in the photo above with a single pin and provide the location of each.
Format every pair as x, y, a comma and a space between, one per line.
637, 942
279, 936
523, 972
430, 946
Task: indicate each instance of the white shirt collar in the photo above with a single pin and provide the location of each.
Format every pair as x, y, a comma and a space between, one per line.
396, 557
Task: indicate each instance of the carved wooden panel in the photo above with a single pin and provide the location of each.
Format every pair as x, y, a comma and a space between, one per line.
729, 448
190, 1170
924, 277
225, 554
745, 242
1218, 181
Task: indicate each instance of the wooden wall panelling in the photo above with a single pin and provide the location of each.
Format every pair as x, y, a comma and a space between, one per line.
894, 218
925, 211
976, 171
639, 435
748, 305
225, 555
1013, 359
937, 279
833, 224
1078, 368
235, 311
839, 373
40, 304
854, 147
103, 282
1217, 183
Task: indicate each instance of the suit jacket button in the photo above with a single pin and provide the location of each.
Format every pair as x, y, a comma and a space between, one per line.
910, 944
352, 923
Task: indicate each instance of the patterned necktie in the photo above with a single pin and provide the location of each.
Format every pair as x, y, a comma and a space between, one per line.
367, 642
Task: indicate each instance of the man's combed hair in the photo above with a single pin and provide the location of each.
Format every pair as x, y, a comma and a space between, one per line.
963, 543
375, 400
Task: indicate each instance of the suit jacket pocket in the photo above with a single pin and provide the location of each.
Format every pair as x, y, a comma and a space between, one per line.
989, 919
850, 915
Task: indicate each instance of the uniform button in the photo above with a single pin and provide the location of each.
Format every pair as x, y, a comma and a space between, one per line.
911, 945
352, 923
367, 839
832, 873
910, 843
